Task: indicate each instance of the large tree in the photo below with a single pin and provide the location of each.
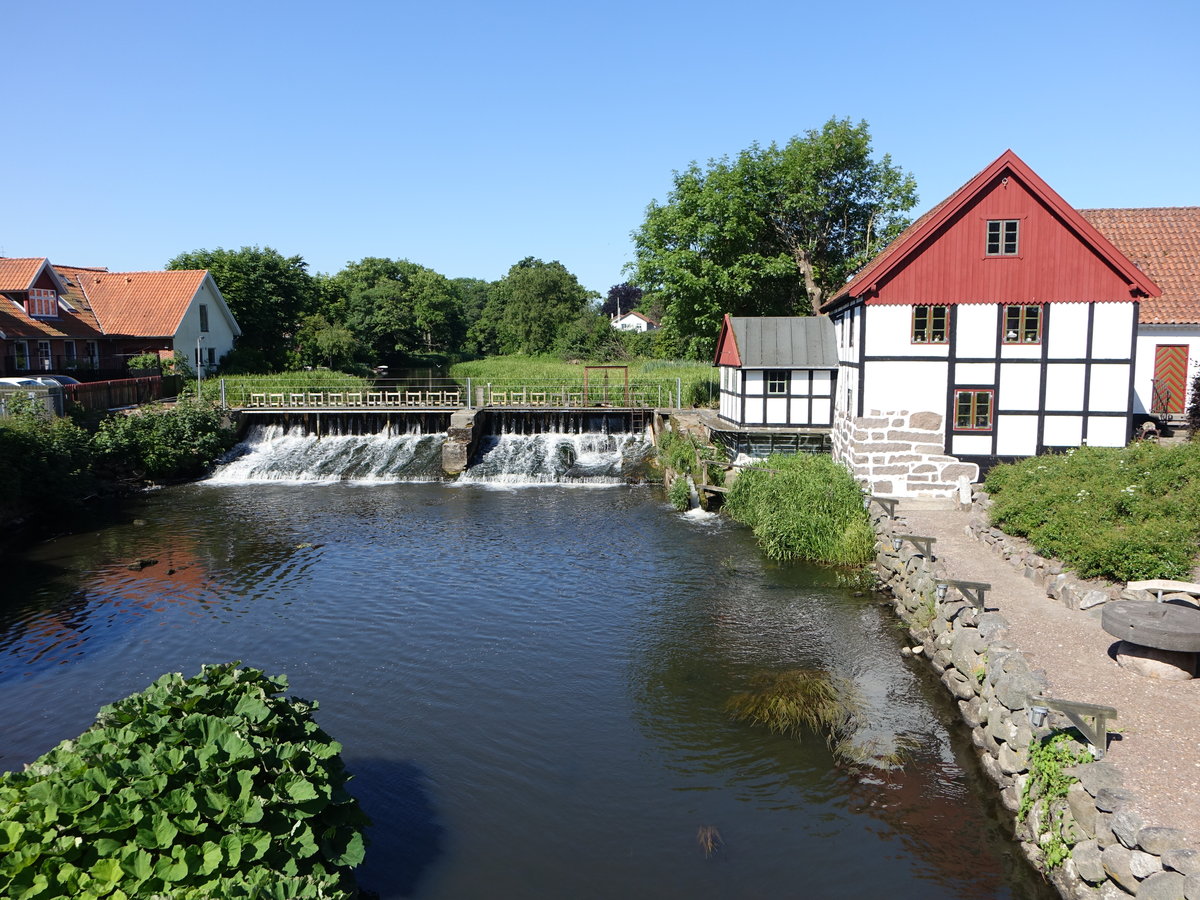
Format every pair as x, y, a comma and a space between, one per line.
531, 306
620, 299
771, 232
395, 307
267, 293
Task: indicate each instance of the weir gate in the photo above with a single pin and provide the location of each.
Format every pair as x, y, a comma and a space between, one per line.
463, 426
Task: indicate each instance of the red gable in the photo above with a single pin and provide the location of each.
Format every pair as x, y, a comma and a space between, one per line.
941, 257
727, 351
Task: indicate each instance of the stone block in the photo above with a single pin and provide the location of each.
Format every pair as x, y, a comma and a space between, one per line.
1158, 840
927, 421
1162, 886
974, 712
1012, 761
1012, 689
1095, 776
1191, 888
1092, 598
959, 470
992, 626
1087, 862
1150, 662
1115, 860
1083, 808
1143, 864
958, 684
1011, 798
1111, 799
1184, 861
1126, 824
1104, 833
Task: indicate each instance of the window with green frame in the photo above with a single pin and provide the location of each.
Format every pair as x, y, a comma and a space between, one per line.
1022, 324
929, 324
973, 410
1002, 237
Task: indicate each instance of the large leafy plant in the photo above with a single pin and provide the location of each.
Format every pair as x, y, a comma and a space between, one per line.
213, 786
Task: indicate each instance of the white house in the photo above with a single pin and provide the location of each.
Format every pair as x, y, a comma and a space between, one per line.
777, 371
634, 321
1165, 244
1000, 324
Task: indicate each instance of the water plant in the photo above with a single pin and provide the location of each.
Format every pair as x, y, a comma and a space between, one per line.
794, 701
709, 839
803, 506
680, 493
213, 786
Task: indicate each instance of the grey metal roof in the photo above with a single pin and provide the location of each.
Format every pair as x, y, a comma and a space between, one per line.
785, 342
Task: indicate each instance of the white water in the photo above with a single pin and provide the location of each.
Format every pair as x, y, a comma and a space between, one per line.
590, 458
274, 454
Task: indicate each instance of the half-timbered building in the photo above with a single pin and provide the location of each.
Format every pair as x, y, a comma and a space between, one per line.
777, 371
1000, 324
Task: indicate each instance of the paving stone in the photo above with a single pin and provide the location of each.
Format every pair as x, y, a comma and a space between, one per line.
1191, 887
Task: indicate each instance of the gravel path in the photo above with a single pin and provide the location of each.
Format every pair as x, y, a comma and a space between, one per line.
1155, 740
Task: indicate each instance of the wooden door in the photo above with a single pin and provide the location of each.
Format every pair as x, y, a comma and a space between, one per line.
1170, 378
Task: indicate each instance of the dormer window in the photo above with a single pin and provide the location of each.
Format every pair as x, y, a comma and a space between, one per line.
1002, 237
42, 303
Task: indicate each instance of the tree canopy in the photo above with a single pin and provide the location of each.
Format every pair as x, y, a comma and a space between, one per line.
266, 291
621, 298
770, 232
529, 308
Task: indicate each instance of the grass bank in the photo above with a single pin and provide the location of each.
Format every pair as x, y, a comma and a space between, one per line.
1123, 514
803, 506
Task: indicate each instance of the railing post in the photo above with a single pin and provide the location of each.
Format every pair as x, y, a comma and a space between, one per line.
223, 403
679, 393
469, 392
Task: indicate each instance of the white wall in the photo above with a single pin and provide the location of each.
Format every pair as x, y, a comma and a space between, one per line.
1149, 337
220, 334
915, 385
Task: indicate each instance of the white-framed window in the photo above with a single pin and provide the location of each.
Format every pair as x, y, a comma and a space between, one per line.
93, 354
929, 324
1002, 237
43, 303
44, 358
1022, 324
69, 351
973, 410
777, 381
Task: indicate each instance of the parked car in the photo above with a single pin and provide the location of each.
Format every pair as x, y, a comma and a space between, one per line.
21, 382
60, 379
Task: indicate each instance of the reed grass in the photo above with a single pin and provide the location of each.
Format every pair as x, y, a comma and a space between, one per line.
796, 701
803, 506
709, 839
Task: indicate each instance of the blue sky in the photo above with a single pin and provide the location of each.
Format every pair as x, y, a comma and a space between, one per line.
465, 136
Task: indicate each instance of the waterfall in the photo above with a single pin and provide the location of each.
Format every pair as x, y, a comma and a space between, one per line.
291, 455
587, 458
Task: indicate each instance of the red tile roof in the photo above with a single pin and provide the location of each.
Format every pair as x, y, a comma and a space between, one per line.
1165, 244
142, 304
18, 274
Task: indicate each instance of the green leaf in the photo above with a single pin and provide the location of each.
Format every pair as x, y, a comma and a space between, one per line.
107, 872
353, 854
231, 846
252, 708
212, 858
300, 789
107, 846
10, 835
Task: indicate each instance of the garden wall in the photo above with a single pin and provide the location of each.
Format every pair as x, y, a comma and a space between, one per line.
1113, 853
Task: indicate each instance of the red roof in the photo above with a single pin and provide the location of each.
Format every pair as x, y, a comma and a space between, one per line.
924, 232
19, 274
1165, 244
141, 304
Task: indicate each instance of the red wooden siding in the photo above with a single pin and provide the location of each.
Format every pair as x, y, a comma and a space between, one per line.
1053, 264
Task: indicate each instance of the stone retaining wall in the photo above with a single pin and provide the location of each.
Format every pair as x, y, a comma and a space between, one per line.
900, 454
1113, 852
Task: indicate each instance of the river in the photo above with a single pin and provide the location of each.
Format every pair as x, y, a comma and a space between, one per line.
528, 683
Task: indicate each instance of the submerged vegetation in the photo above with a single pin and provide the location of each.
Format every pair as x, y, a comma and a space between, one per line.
803, 506
213, 786
796, 701
1120, 513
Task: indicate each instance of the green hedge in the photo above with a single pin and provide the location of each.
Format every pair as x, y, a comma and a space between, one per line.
803, 506
1119, 513
163, 443
210, 787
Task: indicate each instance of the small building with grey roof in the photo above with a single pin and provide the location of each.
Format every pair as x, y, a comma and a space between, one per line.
777, 371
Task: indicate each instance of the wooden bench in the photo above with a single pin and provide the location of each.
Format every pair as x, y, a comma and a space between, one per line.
1162, 586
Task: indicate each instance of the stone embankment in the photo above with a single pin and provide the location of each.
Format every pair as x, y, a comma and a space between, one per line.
1113, 852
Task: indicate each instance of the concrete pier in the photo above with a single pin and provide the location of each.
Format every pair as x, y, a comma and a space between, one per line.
461, 438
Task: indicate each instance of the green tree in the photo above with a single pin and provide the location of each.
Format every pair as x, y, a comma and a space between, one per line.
267, 293
321, 342
396, 307
532, 304
771, 232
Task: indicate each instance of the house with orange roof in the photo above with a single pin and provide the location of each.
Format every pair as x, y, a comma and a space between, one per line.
162, 312
1165, 244
634, 321
1001, 324
89, 321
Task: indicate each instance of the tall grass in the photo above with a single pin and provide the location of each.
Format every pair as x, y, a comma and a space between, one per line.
1119, 513
803, 506
239, 387
795, 701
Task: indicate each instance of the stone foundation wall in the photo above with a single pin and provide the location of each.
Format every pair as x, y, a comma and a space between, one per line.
899, 454
1113, 852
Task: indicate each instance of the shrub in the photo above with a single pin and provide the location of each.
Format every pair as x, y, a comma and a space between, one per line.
214, 786
803, 506
1124, 514
46, 462
680, 494
163, 443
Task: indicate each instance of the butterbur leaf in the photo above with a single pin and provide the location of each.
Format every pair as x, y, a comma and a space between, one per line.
106, 872
10, 835
353, 853
299, 789
164, 830
231, 846
252, 708
211, 858
106, 846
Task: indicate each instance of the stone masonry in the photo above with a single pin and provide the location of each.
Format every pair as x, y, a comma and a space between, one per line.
899, 454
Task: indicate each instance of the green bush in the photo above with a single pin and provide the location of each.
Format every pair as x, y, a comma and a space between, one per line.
46, 462
163, 443
680, 494
214, 786
803, 506
1120, 513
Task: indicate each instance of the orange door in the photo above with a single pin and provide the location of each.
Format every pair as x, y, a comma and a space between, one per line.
1170, 378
